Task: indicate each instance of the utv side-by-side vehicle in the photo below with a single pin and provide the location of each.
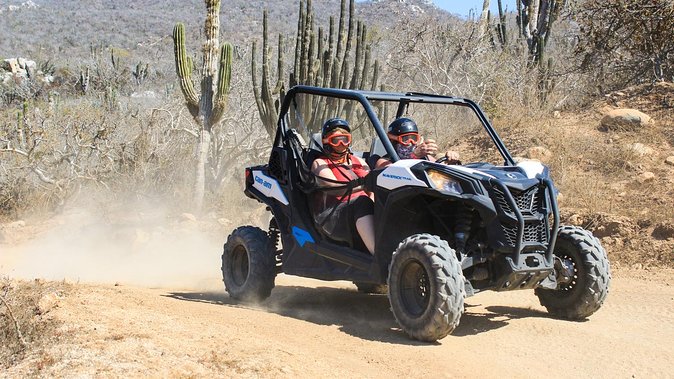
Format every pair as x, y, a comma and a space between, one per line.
442, 232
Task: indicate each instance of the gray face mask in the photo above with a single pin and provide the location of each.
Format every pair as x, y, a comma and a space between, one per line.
404, 152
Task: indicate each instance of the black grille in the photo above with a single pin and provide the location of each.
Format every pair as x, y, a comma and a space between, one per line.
275, 168
533, 232
528, 201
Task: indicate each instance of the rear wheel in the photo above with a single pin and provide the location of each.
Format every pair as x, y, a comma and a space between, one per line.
583, 275
248, 266
426, 287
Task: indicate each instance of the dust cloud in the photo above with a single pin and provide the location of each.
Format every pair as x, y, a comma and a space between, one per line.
132, 247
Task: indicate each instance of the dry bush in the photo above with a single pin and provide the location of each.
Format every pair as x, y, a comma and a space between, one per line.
25, 322
625, 42
454, 59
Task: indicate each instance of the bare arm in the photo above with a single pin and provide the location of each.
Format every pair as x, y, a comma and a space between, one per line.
322, 171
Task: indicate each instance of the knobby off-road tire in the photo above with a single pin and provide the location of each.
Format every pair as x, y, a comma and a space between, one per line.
426, 287
378, 289
248, 267
589, 286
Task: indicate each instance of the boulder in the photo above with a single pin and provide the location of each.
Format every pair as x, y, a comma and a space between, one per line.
188, 217
576, 219
646, 177
670, 160
663, 231
48, 302
625, 119
539, 153
614, 226
641, 150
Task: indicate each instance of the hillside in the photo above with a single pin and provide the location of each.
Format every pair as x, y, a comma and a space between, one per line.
144, 27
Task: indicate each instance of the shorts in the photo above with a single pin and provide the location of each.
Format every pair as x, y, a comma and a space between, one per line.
340, 224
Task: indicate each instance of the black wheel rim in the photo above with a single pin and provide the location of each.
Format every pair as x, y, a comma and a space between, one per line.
570, 283
414, 288
239, 265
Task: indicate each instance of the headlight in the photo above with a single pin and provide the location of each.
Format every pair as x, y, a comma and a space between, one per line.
444, 182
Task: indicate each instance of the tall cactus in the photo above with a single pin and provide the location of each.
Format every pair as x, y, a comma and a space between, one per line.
208, 107
535, 19
340, 59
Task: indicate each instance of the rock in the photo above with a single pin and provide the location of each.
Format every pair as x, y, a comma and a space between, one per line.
663, 230
556, 114
224, 222
188, 217
640, 149
539, 153
14, 225
575, 219
670, 160
646, 177
48, 302
625, 119
613, 226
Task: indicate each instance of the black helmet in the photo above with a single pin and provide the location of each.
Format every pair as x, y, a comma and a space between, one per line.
402, 125
333, 124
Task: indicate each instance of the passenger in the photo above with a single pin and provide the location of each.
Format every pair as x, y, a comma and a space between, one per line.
404, 135
338, 210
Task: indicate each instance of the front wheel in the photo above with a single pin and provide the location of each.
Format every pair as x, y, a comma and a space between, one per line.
426, 287
583, 275
248, 265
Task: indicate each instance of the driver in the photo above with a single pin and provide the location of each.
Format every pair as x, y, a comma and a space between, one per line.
337, 210
404, 135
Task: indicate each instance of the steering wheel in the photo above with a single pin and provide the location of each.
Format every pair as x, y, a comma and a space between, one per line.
446, 160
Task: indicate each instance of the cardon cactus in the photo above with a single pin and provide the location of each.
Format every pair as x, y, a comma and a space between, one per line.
208, 107
340, 59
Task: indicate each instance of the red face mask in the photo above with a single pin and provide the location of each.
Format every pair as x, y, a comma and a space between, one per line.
337, 139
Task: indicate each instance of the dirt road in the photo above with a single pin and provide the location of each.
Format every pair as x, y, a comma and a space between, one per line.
326, 329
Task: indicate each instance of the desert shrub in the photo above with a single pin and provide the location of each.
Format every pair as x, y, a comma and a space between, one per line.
24, 317
625, 42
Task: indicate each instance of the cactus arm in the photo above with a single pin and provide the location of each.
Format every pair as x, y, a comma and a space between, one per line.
279, 65
184, 69
262, 111
341, 32
224, 82
349, 43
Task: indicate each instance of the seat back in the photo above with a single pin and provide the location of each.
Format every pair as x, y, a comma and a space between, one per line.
316, 142
377, 148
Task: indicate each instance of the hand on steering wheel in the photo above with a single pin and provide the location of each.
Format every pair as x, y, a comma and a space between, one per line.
450, 158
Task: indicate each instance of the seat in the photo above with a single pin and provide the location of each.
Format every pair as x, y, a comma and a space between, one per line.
377, 151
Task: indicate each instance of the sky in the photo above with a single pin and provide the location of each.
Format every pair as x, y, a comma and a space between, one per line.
463, 7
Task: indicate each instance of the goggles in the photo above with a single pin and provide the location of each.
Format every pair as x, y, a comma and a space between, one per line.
337, 139
406, 139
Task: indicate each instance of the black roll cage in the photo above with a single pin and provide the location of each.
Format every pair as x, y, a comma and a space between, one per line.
404, 99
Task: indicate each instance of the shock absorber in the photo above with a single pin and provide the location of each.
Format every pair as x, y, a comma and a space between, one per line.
464, 218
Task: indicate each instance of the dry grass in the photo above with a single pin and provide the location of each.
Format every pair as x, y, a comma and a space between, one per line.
25, 322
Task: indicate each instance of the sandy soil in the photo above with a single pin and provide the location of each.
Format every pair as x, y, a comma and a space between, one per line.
327, 329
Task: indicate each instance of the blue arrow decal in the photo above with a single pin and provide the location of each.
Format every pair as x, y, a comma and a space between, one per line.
302, 236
